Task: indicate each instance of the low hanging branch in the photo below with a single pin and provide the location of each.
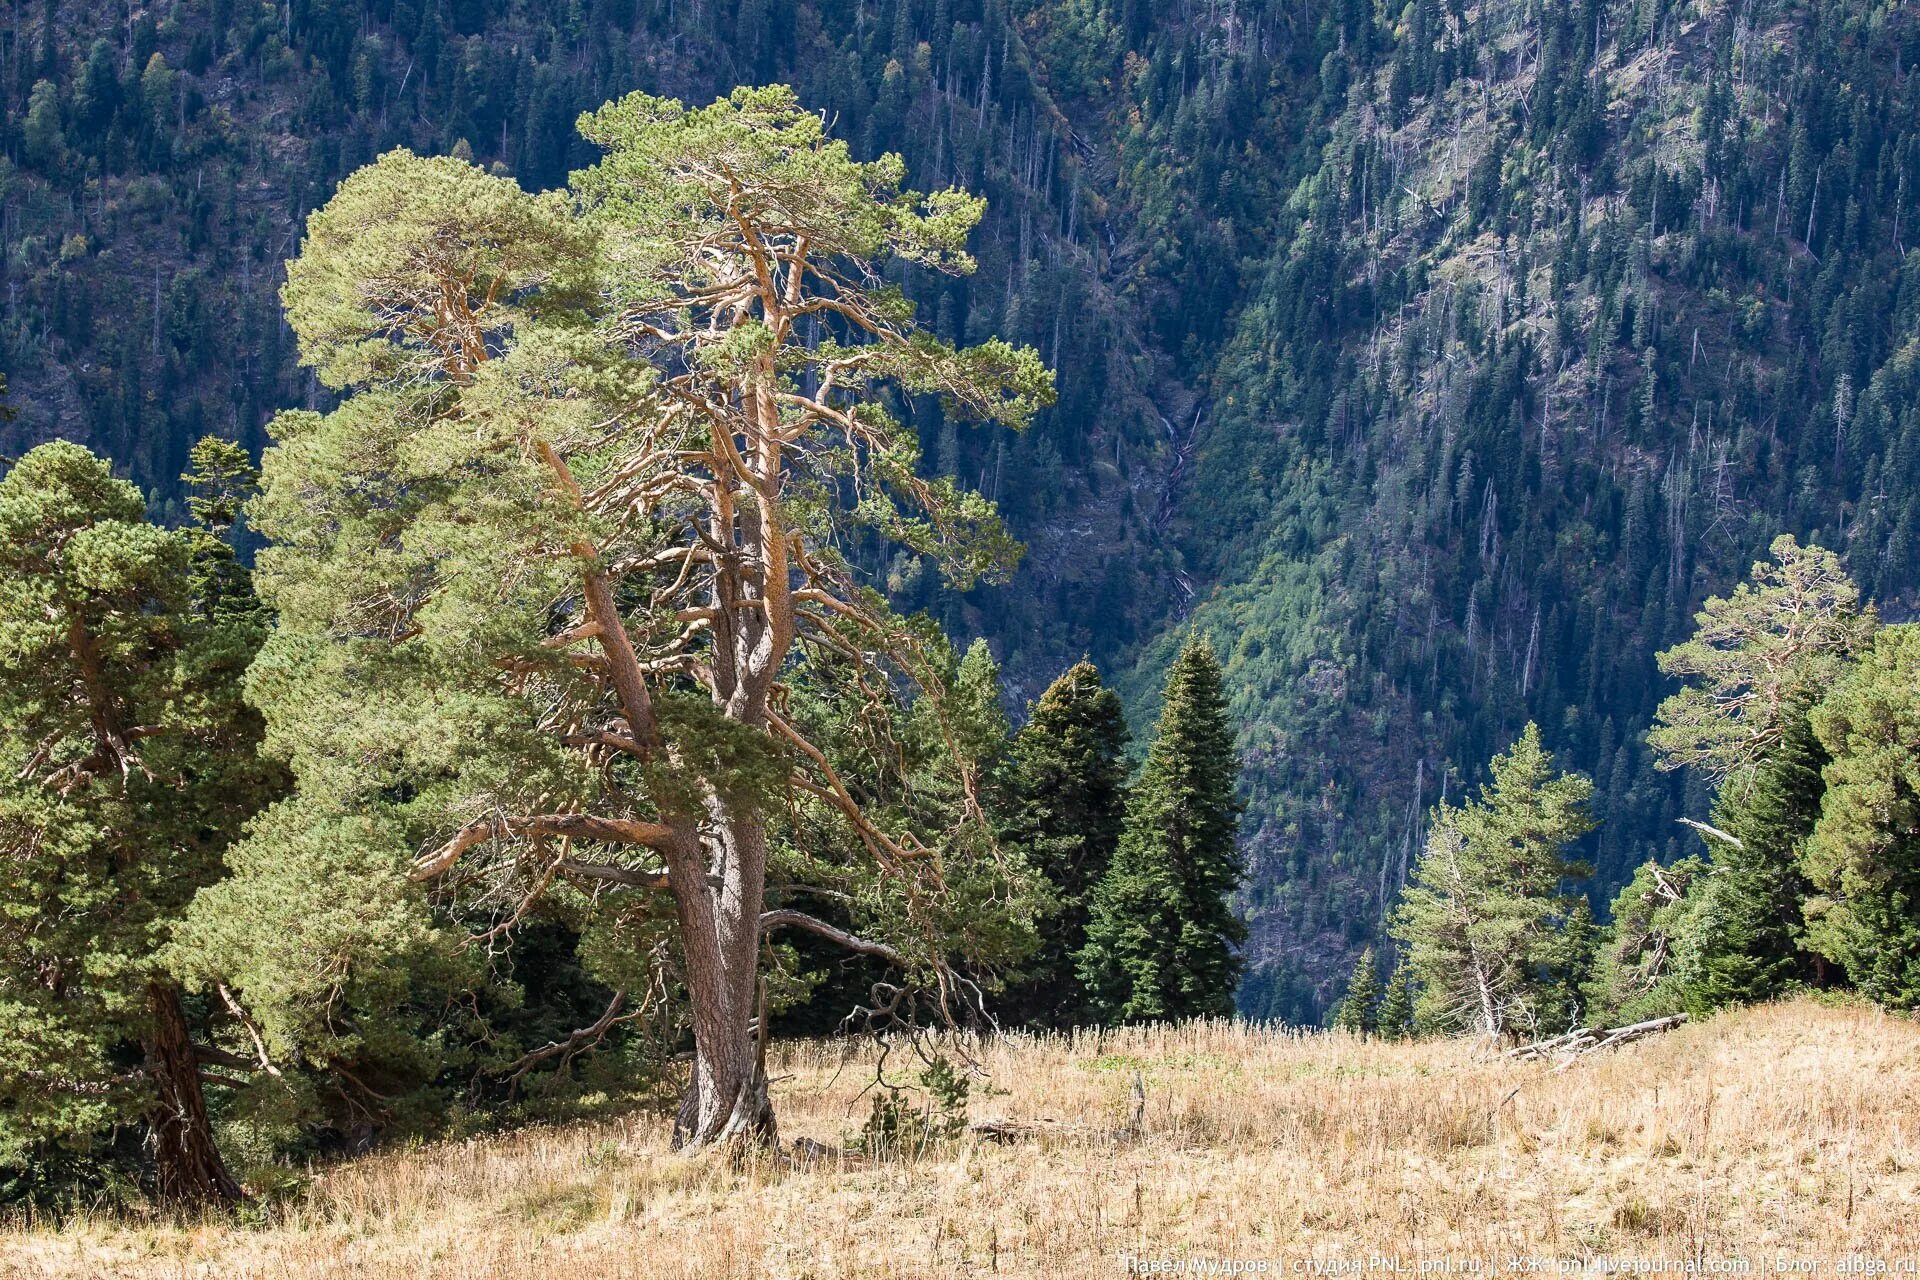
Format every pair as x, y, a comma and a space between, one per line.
252, 1028
585, 1038
771, 920
607, 872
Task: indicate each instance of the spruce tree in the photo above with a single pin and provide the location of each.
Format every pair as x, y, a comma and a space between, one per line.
1745, 941
1357, 1011
127, 762
1065, 806
1492, 933
1395, 1017
218, 483
1863, 857
1163, 940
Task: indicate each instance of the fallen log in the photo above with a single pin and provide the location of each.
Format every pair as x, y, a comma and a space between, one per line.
1585, 1040
1008, 1132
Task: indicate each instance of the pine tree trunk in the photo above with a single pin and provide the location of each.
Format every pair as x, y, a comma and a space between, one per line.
188, 1164
726, 1102
719, 895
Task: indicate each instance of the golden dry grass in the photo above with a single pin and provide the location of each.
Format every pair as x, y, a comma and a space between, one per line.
1791, 1130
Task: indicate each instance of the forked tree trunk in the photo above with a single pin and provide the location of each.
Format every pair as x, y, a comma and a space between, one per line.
719, 909
190, 1170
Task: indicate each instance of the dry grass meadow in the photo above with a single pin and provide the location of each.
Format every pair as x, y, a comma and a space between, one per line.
1791, 1131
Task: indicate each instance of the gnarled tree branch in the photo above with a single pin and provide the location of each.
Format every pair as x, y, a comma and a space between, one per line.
579, 826
614, 875
771, 920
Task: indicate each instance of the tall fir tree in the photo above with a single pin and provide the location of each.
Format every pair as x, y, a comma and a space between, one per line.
1493, 935
1745, 943
1357, 1010
1163, 941
1395, 1017
1863, 857
1064, 809
127, 763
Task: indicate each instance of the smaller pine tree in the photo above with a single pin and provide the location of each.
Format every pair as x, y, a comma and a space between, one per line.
1491, 930
1394, 1020
1356, 1012
127, 763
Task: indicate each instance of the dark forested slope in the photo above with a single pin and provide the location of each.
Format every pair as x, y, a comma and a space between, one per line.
160, 160
1435, 359
1579, 305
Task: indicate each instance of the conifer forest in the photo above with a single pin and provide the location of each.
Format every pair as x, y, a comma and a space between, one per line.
735, 607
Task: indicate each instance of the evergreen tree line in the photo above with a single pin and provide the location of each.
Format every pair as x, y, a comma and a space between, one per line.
1444, 385
1804, 711
551, 729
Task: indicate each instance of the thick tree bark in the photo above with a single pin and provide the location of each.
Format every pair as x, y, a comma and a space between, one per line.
717, 875
726, 1102
189, 1168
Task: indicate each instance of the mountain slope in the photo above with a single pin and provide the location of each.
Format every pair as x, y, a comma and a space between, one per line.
159, 168
1556, 336
1437, 358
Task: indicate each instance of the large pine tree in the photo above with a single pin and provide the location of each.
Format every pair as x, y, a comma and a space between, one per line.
551, 575
1163, 939
1064, 810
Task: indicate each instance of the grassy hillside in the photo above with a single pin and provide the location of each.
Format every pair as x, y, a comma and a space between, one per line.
1780, 1130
